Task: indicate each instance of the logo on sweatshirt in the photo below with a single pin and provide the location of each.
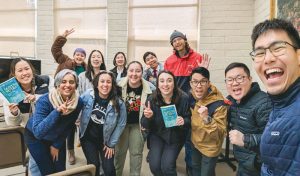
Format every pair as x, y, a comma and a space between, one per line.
275, 133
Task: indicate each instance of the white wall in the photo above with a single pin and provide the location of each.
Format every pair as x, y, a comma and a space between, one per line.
225, 29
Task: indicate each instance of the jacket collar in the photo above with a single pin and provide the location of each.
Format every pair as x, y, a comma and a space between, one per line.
92, 94
253, 90
288, 97
188, 53
146, 87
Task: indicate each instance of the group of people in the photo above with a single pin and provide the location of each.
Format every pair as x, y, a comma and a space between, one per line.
120, 109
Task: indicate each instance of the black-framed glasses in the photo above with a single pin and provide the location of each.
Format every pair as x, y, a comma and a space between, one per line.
196, 83
277, 49
239, 79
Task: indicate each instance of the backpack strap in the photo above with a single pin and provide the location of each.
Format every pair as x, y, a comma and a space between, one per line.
213, 106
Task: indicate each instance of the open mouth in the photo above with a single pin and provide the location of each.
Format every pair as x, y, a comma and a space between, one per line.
273, 73
237, 91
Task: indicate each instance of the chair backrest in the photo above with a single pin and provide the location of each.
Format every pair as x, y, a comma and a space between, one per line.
86, 170
12, 147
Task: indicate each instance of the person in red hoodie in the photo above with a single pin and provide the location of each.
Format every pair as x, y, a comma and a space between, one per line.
183, 60
181, 63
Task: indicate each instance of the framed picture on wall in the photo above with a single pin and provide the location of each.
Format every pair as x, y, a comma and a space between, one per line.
286, 9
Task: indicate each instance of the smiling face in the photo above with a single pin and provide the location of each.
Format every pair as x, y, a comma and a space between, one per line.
134, 74
79, 58
166, 84
199, 90
277, 73
238, 90
96, 59
151, 61
104, 85
120, 60
23, 73
67, 86
178, 44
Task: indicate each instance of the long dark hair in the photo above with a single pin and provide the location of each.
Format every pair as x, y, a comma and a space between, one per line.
113, 94
13, 71
157, 96
90, 70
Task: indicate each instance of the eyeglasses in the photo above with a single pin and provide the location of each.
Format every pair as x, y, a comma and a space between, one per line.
202, 83
277, 49
238, 79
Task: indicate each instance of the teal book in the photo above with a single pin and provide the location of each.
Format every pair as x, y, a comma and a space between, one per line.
12, 91
169, 114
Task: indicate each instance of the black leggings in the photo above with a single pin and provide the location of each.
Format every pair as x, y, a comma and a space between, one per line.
92, 151
70, 138
163, 156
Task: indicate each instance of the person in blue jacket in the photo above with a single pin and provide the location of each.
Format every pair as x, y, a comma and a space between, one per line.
102, 122
276, 56
46, 131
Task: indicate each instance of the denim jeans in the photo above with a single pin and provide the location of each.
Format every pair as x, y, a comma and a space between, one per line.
33, 167
203, 165
40, 151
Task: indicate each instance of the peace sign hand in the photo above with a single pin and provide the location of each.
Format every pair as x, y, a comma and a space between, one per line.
68, 32
63, 108
148, 113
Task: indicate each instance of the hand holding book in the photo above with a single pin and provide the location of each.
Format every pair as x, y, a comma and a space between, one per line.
179, 121
14, 109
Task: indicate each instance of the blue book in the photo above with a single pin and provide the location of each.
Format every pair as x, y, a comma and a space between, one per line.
169, 114
12, 91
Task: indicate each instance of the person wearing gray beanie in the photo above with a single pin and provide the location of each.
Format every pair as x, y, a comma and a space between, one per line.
181, 63
176, 34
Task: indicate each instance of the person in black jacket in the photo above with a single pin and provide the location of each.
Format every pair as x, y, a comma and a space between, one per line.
120, 69
248, 116
165, 142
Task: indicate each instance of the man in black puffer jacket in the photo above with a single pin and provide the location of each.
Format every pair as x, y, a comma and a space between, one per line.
248, 116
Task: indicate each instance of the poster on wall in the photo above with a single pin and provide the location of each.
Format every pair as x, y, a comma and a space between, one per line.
286, 9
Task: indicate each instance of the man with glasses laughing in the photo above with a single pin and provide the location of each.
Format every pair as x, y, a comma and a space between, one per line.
208, 121
276, 57
248, 115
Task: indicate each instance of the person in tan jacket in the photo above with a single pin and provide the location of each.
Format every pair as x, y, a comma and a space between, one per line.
208, 123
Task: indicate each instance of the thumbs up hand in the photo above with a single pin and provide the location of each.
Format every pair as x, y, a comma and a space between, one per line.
148, 113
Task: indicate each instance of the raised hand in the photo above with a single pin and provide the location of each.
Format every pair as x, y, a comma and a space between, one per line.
203, 112
14, 109
109, 152
148, 113
54, 153
179, 121
68, 32
205, 61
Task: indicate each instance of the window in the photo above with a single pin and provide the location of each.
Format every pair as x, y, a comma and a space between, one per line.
151, 24
17, 32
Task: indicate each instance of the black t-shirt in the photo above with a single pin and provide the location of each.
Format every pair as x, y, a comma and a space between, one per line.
133, 104
95, 126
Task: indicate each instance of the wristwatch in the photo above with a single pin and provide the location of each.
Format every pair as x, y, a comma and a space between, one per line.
207, 120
